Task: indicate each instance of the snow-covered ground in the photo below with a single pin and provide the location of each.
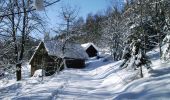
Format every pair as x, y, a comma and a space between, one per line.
100, 80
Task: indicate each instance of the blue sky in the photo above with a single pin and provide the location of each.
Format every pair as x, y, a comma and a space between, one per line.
90, 6
51, 13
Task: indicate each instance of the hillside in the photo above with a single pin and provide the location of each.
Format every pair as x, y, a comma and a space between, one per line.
101, 80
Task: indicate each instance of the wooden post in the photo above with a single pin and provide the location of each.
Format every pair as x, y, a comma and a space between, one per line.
141, 73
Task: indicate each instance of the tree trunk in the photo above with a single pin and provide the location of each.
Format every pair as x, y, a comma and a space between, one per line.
141, 72
18, 71
18, 65
160, 49
157, 27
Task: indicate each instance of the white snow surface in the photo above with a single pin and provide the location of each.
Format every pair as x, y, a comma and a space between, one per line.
100, 80
39, 73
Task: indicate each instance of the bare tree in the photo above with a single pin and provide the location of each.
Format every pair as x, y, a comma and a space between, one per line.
114, 33
69, 15
19, 20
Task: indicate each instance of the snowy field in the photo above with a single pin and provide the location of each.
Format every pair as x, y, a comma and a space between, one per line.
100, 80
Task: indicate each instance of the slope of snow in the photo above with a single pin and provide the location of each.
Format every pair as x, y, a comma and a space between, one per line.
155, 87
100, 80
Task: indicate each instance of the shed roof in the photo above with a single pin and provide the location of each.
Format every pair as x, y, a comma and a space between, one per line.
35, 52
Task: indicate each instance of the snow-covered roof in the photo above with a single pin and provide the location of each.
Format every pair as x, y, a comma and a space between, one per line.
71, 50
35, 52
87, 45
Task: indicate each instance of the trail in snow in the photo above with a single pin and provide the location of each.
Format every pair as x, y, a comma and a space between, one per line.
154, 87
88, 82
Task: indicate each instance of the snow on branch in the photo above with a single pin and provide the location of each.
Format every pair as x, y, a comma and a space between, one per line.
49, 4
158, 2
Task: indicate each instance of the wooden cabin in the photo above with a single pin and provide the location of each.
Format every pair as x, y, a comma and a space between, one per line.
51, 55
90, 49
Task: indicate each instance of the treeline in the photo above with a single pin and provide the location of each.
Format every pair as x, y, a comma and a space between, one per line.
144, 20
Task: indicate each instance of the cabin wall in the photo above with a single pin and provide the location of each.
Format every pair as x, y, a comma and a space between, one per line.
75, 63
52, 65
37, 60
33, 69
42, 60
48, 63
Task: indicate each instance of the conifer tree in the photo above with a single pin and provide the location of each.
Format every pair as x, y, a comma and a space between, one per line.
135, 58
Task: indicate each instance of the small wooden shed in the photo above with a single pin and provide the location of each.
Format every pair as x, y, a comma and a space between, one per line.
51, 54
90, 49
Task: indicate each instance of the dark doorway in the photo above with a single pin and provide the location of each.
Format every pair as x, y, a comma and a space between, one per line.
91, 51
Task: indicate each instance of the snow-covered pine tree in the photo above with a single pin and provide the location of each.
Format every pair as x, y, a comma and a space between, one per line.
166, 48
166, 42
135, 58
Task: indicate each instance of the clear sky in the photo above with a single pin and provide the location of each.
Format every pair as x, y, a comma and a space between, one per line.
90, 6
51, 13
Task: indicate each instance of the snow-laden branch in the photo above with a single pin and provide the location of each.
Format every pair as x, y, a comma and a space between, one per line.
1, 16
157, 2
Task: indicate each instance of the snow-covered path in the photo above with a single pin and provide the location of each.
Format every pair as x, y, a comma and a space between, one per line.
89, 82
98, 81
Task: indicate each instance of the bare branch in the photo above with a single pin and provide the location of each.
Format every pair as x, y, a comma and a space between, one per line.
2, 16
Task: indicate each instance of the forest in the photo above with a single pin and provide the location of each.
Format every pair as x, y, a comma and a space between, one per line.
126, 34
145, 21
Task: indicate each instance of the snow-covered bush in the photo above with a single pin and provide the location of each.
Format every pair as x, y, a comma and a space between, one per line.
39, 73
7, 70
